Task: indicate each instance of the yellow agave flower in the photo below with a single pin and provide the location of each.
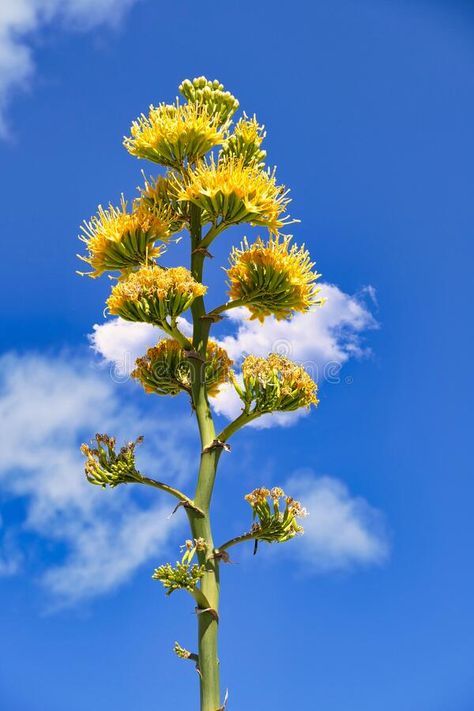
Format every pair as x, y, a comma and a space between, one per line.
245, 142
159, 197
271, 524
118, 240
152, 294
211, 95
276, 384
174, 134
234, 192
165, 369
273, 278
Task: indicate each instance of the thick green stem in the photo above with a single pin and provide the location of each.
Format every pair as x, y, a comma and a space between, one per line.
201, 525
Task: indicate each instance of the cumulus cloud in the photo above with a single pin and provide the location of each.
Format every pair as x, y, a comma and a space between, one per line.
21, 19
47, 407
342, 531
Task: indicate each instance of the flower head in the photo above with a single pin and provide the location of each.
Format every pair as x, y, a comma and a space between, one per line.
180, 577
166, 370
235, 193
211, 95
174, 134
152, 294
118, 240
158, 197
245, 142
104, 466
273, 278
276, 384
271, 524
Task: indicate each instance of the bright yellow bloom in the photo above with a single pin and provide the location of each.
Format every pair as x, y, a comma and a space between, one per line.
276, 383
235, 192
174, 134
245, 142
273, 278
118, 240
211, 95
159, 197
152, 294
166, 370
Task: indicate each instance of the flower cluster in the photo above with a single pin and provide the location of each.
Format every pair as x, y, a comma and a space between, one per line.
275, 384
166, 370
118, 240
210, 94
152, 294
181, 577
174, 134
234, 192
181, 652
159, 196
245, 142
271, 524
104, 466
273, 278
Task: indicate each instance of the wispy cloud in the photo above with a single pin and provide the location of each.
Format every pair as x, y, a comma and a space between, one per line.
342, 531
323, 340
47, 407
20, 20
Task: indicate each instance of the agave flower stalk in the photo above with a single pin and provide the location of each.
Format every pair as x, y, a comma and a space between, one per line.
214, 177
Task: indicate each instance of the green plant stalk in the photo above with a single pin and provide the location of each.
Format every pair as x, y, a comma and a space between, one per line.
201, 525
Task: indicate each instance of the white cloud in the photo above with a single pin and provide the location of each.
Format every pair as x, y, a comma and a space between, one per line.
47, 407
21, 19
341, 531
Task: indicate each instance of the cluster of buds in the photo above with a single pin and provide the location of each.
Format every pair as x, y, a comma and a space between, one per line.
181, 652
245, 142
185, 575
270, 523
104, 466
273, 278
212, 96
119, 240
153, 294
234, 192
166, 368
275, 384
174, 134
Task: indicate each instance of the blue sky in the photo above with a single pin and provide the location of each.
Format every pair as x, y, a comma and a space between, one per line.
369, 108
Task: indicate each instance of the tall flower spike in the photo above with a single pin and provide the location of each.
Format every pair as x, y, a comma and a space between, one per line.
118, 240
175, 134
165, 369
276, 384
271, 524
211, 95
153, 294
273, 278
245, 142
234, 192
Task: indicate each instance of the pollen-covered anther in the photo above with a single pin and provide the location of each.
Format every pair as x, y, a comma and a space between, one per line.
153, 294
274, 277
175, 134
234, 192
165, 369
118, 240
